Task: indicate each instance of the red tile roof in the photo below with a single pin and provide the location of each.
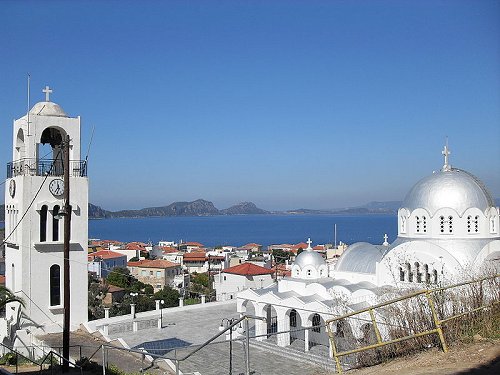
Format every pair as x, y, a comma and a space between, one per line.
2, 279
248, 269
105, 254
192, 244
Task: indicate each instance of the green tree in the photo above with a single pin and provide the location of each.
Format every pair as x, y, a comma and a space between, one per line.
97, 292
200, 279
119, 276
281, 255
169, 295
299, 250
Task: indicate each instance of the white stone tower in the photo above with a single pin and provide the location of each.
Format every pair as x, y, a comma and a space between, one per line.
34, 231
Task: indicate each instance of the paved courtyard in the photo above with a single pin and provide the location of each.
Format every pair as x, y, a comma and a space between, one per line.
185, 328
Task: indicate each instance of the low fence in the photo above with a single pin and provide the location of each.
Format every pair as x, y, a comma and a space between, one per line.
359, 336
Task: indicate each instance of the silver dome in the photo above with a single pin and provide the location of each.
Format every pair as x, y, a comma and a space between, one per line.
309, 258
453, 188
361, 257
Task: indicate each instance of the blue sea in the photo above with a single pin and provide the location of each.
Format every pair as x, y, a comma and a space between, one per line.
240, 230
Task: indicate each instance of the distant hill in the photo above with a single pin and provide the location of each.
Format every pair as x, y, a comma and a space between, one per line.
199, 207
243, 208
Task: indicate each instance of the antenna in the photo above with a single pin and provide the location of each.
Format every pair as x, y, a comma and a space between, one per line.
88, 149
29, 77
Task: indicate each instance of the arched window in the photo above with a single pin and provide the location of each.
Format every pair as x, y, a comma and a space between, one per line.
308, 272
401, 274
55, 224
417, 229
43, 223
410, 274
316, 321
424, 224
403, 223
435, 276
293, 318
417, 272
450, 224
441, 224
55, 285
427, 274
492, 225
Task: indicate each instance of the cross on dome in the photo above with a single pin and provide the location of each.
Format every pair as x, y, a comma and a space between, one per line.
386, 237
446, 152
309, 242
47, 90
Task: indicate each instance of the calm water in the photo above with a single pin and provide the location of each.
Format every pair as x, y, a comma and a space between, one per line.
240, 230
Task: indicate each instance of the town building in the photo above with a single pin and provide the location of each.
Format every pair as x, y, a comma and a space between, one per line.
102, 262
243, 276
157, 273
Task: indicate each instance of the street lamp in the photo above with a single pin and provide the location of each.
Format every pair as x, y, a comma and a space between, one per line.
133, 295
225, 324
161, 313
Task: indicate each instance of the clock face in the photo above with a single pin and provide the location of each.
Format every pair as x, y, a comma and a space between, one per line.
12, 188
56, 187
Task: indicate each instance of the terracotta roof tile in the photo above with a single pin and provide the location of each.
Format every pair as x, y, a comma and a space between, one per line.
105, 254
248, 269
156, 263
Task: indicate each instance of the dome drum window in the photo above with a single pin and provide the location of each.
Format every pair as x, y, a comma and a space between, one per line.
473, 224
446, 224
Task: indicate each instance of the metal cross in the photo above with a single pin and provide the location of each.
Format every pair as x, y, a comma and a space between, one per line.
446, 152
309, 242
47, 90
386, 237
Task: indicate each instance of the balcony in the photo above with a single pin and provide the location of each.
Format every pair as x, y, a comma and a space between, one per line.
45, 167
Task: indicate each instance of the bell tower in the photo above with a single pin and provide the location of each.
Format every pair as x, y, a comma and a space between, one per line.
34, 228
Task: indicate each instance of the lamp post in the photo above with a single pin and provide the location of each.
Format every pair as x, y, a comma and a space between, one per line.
224, 325
161, 312
133, 295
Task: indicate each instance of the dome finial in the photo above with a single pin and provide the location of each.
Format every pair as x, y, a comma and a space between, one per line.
309, 242
446, 152
47, 90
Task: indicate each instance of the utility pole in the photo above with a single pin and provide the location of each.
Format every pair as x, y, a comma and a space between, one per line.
67, 234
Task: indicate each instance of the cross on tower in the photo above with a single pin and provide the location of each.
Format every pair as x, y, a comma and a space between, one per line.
47, 90
309, 242
446, 152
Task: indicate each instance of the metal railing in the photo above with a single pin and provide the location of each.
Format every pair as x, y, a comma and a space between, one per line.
44, 167
427, 306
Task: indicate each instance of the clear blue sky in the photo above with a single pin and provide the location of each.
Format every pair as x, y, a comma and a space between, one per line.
316, 104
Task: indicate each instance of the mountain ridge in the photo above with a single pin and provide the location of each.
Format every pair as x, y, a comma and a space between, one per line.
201, 207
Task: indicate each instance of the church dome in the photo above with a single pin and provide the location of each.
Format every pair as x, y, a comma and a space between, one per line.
450, 188
309, 257
48, 109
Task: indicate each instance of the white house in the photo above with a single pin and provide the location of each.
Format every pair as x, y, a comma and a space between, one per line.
243, 276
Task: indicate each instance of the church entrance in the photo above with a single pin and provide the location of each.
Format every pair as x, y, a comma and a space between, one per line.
272, 321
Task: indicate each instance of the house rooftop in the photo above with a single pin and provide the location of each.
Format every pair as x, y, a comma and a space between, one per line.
248, 269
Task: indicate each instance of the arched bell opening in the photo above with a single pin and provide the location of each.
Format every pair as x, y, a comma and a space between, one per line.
50, 153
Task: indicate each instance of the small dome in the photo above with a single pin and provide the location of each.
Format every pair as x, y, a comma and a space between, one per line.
360, 257
453, 188
48, 109
309, 258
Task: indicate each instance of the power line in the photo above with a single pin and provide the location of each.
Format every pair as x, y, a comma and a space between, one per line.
32, 201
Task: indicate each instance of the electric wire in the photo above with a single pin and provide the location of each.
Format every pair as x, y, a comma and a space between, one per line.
32, 201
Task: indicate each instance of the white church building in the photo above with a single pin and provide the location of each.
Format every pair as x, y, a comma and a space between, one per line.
34, 231
448, 229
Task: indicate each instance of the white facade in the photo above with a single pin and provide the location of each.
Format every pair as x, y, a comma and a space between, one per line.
34, 250
448, 231
227, 285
